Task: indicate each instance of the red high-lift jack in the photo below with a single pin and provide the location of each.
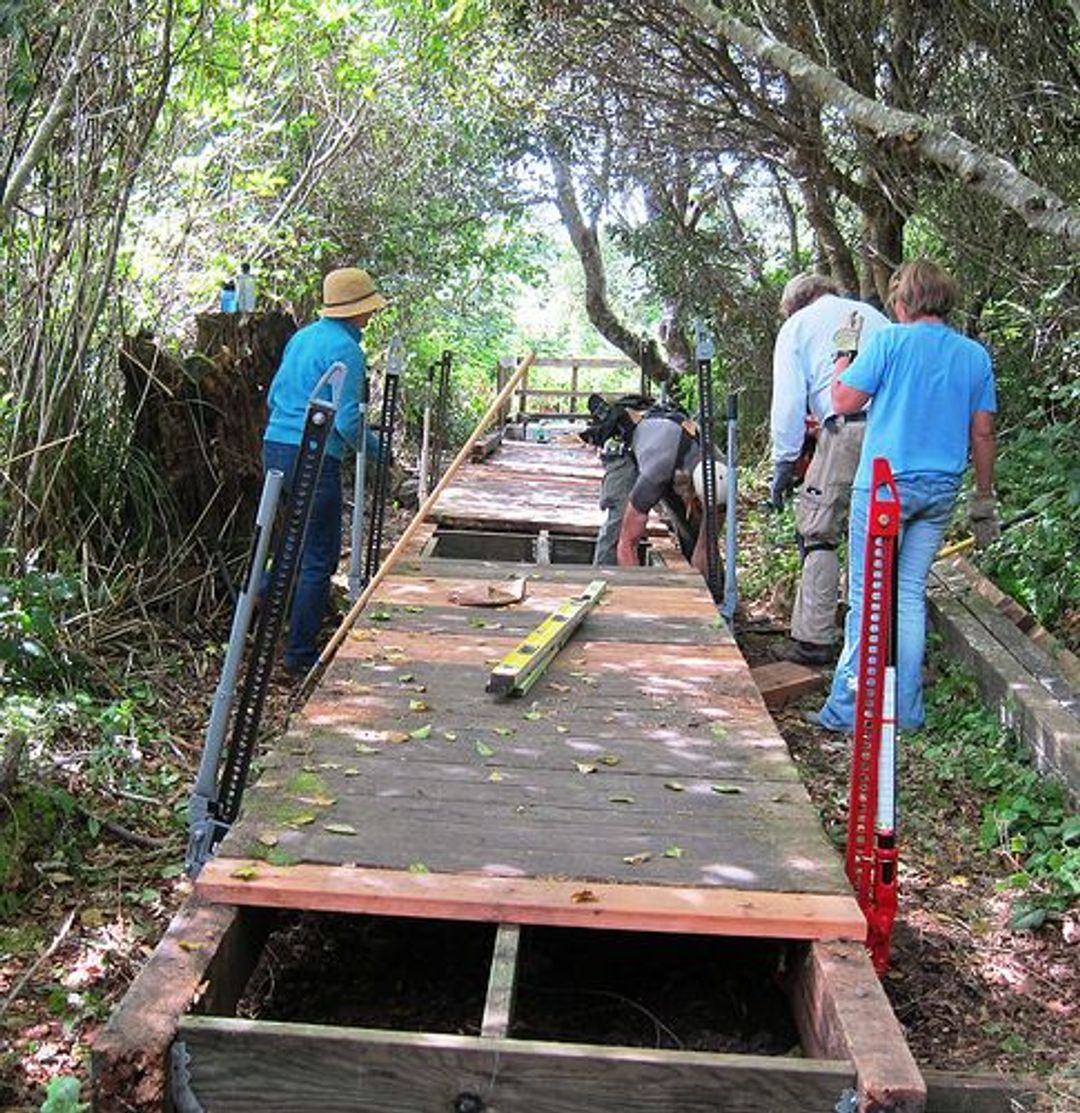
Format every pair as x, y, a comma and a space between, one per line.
871, 842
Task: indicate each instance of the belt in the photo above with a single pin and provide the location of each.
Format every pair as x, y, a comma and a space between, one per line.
837, 421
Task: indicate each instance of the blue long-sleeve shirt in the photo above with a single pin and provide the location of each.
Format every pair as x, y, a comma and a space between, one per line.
308, 355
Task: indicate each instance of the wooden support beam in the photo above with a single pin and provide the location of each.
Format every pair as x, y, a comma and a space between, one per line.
203, 961
236, 1066
502, 983
526, 900
841, 1011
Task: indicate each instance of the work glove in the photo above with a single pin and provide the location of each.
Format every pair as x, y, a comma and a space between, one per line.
783, 482
983, 520
846, 337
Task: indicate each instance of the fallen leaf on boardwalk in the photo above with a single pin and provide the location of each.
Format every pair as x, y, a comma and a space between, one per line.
364, 748
395, 658
637, 859
620, 799
421, 732
352, 771
584, 767
532, 716
558, 687
726, 790
245, 873
268, 838
584, 896
502, 732
414, 610
495, 776
395, 736
675, 786
479, 623
329, 765
319, 801
406, 678
302, 820
674, 852
718, 730
339, 828
450, 735
609, 759
483, 749
418, 867
380, 616
418, 705
361, 634
188, 945
490, 595
563, 730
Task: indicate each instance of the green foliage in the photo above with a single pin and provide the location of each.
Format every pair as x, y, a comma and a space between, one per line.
1035, 562
62, 1096
1018, 814
31, 604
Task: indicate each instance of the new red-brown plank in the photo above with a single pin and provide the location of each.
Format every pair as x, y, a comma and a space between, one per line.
556, 902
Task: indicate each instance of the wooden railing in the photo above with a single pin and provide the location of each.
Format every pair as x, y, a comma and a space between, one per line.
583, 373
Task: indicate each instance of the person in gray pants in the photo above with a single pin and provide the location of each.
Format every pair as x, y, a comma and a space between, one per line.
820, 325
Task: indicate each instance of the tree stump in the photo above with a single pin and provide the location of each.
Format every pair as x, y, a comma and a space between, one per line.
198, 420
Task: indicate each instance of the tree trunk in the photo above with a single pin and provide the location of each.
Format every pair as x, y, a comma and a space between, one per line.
976, 167
587, 244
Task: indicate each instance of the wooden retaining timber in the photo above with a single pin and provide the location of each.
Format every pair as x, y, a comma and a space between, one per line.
1034, 688
641, 786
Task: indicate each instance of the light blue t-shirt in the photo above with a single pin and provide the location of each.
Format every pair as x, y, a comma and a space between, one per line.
308, 355
927, 381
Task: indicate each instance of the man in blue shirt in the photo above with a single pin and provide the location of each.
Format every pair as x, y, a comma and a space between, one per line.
933, 401
349, 301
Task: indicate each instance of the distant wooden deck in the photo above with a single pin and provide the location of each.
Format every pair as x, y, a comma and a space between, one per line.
640, 784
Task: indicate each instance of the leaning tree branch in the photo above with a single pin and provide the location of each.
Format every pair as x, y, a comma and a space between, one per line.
981, 170
587, 245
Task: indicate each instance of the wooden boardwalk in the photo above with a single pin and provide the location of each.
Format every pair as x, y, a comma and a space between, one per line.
640, 786
641, 783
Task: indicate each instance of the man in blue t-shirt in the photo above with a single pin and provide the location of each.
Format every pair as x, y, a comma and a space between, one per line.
349, 301
933, 401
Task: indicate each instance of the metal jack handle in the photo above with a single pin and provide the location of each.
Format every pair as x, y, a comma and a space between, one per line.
706, 416
731, 592
356, 546
391, 382
424, 466
201, 822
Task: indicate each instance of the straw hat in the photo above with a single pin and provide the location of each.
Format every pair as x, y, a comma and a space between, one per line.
348, 292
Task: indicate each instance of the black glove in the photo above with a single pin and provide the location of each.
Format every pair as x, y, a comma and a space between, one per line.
783, 483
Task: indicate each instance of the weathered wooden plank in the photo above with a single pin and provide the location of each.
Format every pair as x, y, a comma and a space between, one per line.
295, 1068
205, 957
1046, 728
950, 1091
841, 1010
502, 983
440, 570
524, 900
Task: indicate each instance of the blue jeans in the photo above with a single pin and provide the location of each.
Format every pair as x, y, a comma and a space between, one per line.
319, 558
926, 503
